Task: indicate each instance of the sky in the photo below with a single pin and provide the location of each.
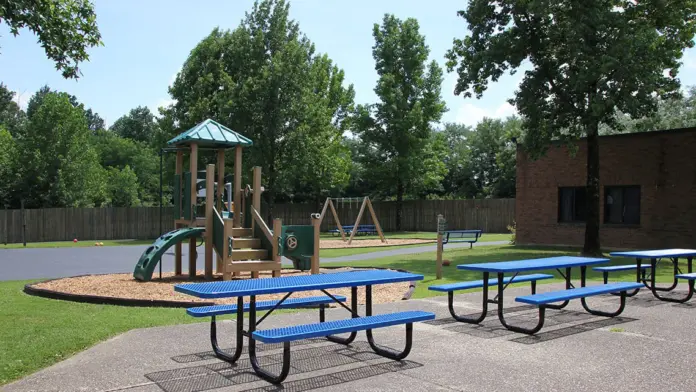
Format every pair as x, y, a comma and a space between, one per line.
147, 41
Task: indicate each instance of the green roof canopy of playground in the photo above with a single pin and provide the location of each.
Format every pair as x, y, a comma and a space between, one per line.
211, 134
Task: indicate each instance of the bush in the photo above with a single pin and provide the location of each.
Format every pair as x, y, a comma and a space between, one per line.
513, 229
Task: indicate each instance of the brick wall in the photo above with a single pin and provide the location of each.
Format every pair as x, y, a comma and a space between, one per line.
663, 164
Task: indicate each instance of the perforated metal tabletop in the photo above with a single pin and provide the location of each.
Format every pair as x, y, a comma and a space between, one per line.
246, 287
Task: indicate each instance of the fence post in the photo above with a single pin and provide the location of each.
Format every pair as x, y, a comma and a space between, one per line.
440, 229
24, 223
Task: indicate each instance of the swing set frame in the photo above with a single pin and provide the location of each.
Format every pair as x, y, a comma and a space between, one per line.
366, 203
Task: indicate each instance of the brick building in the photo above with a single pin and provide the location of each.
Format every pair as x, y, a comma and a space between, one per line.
647, 192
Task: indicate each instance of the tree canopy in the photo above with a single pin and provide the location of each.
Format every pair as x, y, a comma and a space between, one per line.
587, 58
65, 28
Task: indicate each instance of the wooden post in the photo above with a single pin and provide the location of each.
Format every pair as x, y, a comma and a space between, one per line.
438, 263
316, 222
256, 197
277, 228
209, 204
375, 220
237, 186
228, 224
220, 179
219, 202
357, 221
193, 167
177, 248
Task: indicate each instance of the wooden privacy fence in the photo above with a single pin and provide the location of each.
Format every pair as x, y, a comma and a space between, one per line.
64, 224
489, 215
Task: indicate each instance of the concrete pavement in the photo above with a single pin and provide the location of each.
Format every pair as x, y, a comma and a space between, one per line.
49, 263
651, 346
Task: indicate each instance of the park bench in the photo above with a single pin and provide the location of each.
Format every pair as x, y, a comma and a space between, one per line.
469, 236
362, 229
290, 303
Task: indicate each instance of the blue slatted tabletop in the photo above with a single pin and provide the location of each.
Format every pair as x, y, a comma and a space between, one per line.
533, 264
286, 284
656, 253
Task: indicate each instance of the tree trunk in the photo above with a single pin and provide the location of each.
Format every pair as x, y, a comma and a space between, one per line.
592, 245
399, 204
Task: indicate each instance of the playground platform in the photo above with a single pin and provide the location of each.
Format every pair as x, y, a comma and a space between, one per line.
651, 346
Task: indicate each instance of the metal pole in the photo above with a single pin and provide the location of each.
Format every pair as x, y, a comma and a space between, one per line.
161, 154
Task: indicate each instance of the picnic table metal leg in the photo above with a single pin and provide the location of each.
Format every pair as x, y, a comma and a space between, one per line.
639, 272
484, 311
385, 351
272, 378
240, 335
583, 275
653, 270
655, 290
569, 285
354, 314
501, 316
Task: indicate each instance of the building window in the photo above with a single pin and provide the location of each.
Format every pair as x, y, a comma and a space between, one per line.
572, 204
622, 204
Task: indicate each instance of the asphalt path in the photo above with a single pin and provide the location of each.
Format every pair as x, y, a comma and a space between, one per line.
48, 263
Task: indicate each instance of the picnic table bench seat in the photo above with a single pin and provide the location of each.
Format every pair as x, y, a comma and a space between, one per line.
624, 267
691, 276
474, 284
290, 303
307, 331
218, 310
579, 292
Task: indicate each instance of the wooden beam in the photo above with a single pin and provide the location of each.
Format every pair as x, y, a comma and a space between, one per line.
338, 221
228, 225
192, 258
237, 185
209, 204
316, 222
323, 210
277, 228
220, 179
193, 167
179, 169
357, 221
256, 188
375, 220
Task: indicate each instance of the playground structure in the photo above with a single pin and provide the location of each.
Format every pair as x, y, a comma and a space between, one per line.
240, 238
356, 228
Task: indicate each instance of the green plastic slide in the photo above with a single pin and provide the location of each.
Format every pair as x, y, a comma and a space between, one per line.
152, 255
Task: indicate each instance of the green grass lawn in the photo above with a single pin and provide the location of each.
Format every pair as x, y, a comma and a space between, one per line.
78, 244
37, 332
425, 235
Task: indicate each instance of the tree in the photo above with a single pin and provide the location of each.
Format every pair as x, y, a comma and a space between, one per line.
139, 124
588, 59
59, 167
458, 182
8, 169
94, 121
65, 28
121, 153
265, 81
396, 131
123, 187
492, 156
671, 114
11, 115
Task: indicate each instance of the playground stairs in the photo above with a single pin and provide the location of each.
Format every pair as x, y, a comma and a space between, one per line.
248, 254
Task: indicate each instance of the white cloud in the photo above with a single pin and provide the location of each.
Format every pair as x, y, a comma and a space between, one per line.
471, 114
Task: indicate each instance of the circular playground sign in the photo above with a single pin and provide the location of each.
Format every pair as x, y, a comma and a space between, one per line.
291, 242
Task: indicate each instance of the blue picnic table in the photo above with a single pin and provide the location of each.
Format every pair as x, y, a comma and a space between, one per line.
293, 284
562, 264
655, 256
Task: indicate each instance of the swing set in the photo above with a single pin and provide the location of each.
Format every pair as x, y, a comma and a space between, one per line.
356, 228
